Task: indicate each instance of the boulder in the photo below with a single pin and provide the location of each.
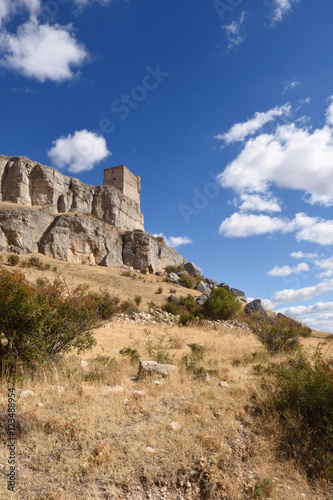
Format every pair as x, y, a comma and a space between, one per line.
152, 368
255, 307
201, 299
238, 294
173, 277
225, 286
204, 288
192, 269
172, 298
211, 283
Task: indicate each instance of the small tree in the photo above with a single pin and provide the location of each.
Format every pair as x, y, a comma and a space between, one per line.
221, 304
37, 324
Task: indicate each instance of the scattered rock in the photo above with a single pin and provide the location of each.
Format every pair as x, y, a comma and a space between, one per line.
201, 299
172, 298
115, 390
139, 394
223, 384
238, 294
25, 394
203, 288
192, 269
151, 450
255, 307
159, 273
157, 382
225, 286
173, 277
175, 426
211, 283
126, 401
206, 378
40, 405
84, 365
149, 368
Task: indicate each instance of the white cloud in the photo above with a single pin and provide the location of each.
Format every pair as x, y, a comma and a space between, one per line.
42, 52
292, 86
287, 270
281, 8
321, 323
259, 203
313, 229
325, 264
304, 311
241, 225
174, 241
79, 152
234, 32
302, 255
290, 157
329, 115
82, 4
9, 8
239, 131
325, 274
303, 293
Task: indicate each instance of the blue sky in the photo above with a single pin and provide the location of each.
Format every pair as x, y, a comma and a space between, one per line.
224, 107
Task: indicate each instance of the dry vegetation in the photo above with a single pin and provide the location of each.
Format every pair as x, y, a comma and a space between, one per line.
88, 442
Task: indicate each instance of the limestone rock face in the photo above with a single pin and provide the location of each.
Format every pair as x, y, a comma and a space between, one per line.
141, 250
29, 183
82, 239
21, 228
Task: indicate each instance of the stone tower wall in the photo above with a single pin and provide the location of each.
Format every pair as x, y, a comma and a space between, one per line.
124, 180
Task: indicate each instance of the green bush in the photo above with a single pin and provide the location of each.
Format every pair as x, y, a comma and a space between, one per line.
13, 260
187, 280
38, 324
174, 269
107, 304
131, 353
35, 262
185, 319
128, 307
303, 403
138, 300
159, 290
279, 333
189, 302
221, 304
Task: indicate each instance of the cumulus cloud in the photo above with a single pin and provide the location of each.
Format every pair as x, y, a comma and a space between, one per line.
259, 203
235, 33
325, 274
240, 131
174, 241
287, 270
303, 255
42, 52
9, 8
79, 152
313, 229
290, 295
329, 115
242, 225
325, 264
305, 311
281, 8
290, 158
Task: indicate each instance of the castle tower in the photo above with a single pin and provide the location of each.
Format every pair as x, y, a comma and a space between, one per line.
123, 179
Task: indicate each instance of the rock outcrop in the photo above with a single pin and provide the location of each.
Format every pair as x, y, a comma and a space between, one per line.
28, 183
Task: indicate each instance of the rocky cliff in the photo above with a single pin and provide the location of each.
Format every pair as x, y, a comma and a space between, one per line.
44, 211
28, 183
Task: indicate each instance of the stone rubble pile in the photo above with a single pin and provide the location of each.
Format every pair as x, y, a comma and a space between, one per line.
158, 316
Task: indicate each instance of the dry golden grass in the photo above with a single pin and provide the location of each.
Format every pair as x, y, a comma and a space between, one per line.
85, 442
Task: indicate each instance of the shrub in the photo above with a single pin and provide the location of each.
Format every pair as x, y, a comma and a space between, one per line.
107, 304
187, 280
35, 262
13, 260
127, 274
158, 347
189, 302
185, 319
174, 269
128, 307
303, 403
131, 353
159, 290
40, 324
278, 334
221, 304
138, 300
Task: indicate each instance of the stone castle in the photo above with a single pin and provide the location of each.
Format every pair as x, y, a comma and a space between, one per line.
42, 210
